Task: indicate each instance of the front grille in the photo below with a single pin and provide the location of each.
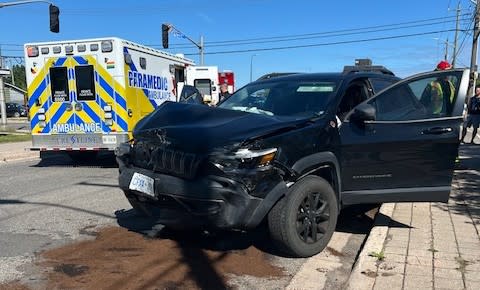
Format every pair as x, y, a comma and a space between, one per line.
165, 160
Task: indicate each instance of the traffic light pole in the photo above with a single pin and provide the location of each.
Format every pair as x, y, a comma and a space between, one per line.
200, 45
23, 2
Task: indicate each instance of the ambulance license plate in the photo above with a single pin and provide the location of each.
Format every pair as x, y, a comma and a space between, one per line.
109, 139
142, 183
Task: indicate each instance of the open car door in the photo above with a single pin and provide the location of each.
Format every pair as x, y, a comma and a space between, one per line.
401, 145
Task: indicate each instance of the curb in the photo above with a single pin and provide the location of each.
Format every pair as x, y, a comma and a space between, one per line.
360, 277
18, 156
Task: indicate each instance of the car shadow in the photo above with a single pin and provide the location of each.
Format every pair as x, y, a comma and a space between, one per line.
61, 159
356, 219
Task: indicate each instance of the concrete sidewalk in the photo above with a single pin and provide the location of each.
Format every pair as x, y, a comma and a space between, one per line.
17, 151
427, 245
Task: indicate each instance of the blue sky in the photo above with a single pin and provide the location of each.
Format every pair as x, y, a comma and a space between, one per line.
141, 20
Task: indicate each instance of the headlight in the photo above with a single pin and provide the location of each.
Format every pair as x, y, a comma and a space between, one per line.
245, 159
256, 157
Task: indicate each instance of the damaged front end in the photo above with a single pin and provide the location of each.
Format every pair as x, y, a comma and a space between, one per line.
231, 186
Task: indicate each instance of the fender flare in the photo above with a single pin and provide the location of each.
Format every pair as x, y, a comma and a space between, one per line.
302, 168
313, 162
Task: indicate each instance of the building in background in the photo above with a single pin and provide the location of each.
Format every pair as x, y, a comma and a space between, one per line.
14, 94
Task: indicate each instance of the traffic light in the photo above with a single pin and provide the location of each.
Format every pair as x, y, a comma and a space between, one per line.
165, 30
54, 20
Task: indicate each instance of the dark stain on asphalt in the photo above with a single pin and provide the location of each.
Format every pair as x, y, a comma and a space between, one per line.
71, 270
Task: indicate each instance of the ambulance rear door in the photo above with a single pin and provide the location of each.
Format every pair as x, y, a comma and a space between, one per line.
74, 107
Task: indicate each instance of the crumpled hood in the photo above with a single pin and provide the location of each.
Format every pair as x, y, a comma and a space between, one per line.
201, 129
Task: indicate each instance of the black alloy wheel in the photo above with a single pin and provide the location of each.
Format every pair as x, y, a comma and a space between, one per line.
312, 218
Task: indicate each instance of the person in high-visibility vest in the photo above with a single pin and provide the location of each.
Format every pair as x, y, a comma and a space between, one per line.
439, 94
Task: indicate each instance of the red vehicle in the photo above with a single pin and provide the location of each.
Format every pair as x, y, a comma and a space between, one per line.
227, 77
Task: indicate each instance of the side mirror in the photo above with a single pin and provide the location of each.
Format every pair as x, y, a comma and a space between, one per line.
363, 112
190, 95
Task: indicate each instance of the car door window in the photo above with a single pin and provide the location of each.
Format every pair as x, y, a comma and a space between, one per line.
354, 95
422, 98
380, 84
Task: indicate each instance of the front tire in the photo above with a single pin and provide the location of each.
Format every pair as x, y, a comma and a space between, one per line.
302, 223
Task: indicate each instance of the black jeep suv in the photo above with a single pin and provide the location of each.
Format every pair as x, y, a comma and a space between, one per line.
293, 150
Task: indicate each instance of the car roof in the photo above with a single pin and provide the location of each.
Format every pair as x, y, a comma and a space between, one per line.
329, 76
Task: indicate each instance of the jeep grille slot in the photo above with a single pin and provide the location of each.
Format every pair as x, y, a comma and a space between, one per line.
165, 160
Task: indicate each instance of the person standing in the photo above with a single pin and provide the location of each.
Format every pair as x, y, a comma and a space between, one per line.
439, 94
473, 115
224, 94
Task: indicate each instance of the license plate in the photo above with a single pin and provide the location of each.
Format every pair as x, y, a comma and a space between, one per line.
109, 139
142, 183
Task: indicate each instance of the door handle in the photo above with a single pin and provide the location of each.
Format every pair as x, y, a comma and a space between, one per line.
437, 130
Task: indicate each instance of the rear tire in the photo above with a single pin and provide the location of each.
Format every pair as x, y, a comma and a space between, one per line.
302, 223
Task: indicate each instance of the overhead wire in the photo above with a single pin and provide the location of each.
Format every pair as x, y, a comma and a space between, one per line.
324, 44
330, 33
323, 36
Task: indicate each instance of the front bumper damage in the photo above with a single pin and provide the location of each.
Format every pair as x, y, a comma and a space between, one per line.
203, 202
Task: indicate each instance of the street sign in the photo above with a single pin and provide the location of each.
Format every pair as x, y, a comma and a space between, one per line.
4, 72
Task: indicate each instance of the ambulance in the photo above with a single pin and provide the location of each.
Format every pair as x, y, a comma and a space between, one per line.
87, 95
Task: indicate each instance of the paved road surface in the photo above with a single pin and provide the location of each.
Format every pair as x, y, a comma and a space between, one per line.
48, 207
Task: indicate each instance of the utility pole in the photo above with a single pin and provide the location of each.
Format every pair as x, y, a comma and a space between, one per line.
202, 47
454, 58
446, 50
473, 60
3, 107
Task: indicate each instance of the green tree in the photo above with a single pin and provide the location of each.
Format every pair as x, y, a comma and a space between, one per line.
19, 77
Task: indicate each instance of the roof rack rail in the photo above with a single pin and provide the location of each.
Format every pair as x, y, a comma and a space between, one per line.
274, 75
365, 65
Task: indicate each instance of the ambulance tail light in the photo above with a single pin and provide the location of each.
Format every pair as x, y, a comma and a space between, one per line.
41, 117
108, 115
32, 51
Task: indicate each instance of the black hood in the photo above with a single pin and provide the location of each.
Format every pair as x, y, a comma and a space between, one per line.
199, 128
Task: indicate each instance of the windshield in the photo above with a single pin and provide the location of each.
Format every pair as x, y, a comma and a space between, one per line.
283, 98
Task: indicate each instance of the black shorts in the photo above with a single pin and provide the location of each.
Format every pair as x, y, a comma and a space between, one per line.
472, 120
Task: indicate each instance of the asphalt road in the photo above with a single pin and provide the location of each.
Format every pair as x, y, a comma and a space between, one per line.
64, 225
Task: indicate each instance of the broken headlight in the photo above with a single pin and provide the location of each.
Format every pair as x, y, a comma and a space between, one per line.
245, 159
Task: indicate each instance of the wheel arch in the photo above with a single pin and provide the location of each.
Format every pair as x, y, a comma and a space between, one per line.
322, 164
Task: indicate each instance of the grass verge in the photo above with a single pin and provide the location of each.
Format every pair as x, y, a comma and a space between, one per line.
8, 138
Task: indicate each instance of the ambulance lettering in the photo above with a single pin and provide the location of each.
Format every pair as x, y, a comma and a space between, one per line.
157, 86
72, 128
